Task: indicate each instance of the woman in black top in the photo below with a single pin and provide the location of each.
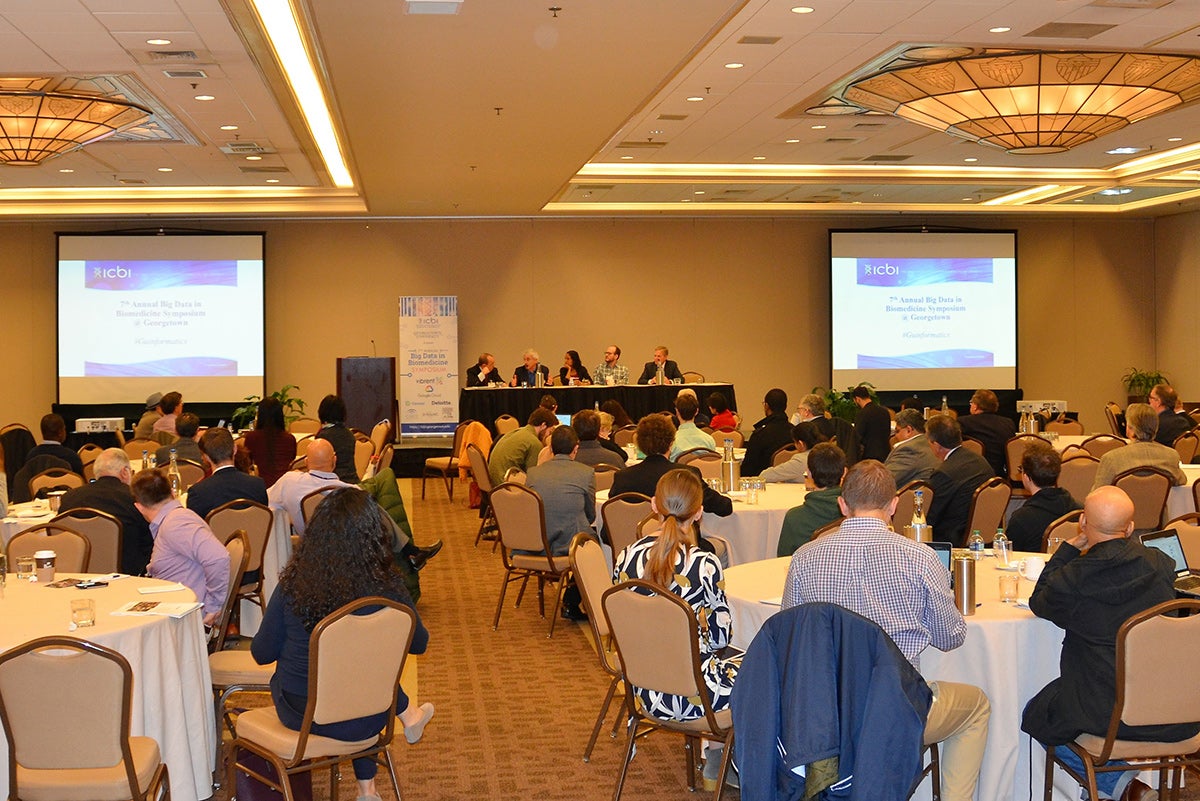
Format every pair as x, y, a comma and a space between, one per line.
332, 413
573, 368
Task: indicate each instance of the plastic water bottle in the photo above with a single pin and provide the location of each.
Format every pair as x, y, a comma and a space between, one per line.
145, 460
945, 406
174, 477
975, 545
918, 518
1001, 547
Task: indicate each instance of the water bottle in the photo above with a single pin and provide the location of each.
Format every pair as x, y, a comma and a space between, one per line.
918, 518
730, 470
945, 406
660, 376
596, 405
1001, 547
975, 545
174, 477
145, 460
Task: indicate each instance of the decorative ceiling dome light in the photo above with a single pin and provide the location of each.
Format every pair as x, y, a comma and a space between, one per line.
1031, 101
36, 125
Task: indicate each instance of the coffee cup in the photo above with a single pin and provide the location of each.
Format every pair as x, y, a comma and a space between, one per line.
43, 566
1031, 567
55, 499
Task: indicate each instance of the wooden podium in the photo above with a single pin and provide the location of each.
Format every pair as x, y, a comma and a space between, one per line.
368, 386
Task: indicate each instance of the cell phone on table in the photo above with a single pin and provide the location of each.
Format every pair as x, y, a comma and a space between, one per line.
87, 585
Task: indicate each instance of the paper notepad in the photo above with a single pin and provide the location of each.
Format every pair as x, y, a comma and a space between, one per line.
166, 608
157, 588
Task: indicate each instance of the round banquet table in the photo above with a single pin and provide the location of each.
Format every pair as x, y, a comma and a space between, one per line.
1008, 652
172, 686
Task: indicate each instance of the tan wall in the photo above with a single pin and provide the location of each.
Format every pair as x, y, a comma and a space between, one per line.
741, 300
1177, 255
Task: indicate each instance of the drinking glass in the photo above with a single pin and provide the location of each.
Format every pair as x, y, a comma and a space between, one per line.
1003, 552
1008, 588
83, 612
25, 567
1052, 545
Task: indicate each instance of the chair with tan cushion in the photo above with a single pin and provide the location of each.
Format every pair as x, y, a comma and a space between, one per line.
354, 667
446, 467
310, 502
972, 444
1078, 474
381, 434
657, 641
709, 467
1112, 413
1064, 528
625, 436
72, 549
621, 515
694, 454
302, 444
1014, 452
592, 575
506, 423
1188, 528
1099, 444
1065, 426
522, 523
56, 478
828, 528
721, 434
987, 508
257, 522
605, 473
134, 449
906, 503
303, 426
364, 451
487, 523
1186, 445
66, 705
237, 545
1151, 690
1148, 488
87, 455
692, 377
104, 534
782, 455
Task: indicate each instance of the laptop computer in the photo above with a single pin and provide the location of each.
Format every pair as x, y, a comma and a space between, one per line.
1187, 581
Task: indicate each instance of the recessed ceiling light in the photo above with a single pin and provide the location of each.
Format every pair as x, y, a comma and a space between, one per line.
1116, 190
999, 30
971, 160
66, 170
204, 97
655, 132
229, 127
1175, 139
801, 10
819, 127
686, 200
698, 192
1124, 151
165, 169
968, 199
734, 65
272, 180
253, 158
792, 141
694, 99
760, 158
158, 41
627, 158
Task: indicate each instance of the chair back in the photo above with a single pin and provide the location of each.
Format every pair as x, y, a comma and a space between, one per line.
103, 532
625, 435
364, 449
783, 454
385, 456
605, 473
303, 426
906, 503
972, 444
302, 444
251, 518
1067, 426
310, 502
72, 549
621, 516
133, 449
694, 454
381, 434
1112, 413
828, 528
506, 423
593, 576
479, 467
987, 508
87, 455
719, 436
692, 377
708, 467
191, 472
459, 431
1099, 444
1188, 528
1186, 444
56, 478
1065, 528
520, 517
1014, 451
1078, 474
1148, 488
1071, 451
238, 548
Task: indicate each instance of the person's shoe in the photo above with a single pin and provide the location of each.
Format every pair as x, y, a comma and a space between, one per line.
1138, 790
573, 613
712, 765
423, 555
413, 733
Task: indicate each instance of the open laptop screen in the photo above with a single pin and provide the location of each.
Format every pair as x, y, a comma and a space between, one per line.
1167, 542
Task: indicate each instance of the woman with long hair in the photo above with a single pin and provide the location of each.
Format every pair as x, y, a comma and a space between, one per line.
332, 413
621, 417
573, 368
345, 555
271, 447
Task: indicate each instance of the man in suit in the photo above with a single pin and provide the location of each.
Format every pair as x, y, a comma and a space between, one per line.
911, 459
1163, 400
992, 429
54, 434
110, 493
186, 449
568, 491
670, 369
484, 372
873, 425
226, 483
961, 472
770, 434
1141, 425
526, 374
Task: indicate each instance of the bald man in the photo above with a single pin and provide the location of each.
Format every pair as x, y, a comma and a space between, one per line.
1091, 585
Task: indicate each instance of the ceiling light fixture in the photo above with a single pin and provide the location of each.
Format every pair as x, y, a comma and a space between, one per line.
1031, 101
819, 127
1175, 139
166, 169
759, 158
36, 125
970, 159
792, 141
1125, 151
158, 42
1120, 190
695, 99
734, 65
204, 97
229, 127
626, 158
1001, 29
253, 158
801, 10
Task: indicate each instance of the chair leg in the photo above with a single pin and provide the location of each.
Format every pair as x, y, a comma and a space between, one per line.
521, 594
423, 477
726, 761
628, 758
1048, 793
935, 773
391, 766
561, 589
333, 782
689, 750
604, 707
500, 603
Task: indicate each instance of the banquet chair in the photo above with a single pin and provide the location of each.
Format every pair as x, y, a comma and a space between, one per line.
310, 502
709, 467
354, 667
1014, 451
381, 434
972, 444
303, 426
605, 473
487, 520
1065, 528
1099, 444
72, 549
237, 545
134, 449
1112, 413
624, 436
446, 467
828, 528
522, 522
1150, 691
1188, 528
256, 521
302, 444
721, 434
1067, 426
1148, 488
590, 568
87, 455
1071, 451
621, 515
694, 454
782, 455
987, 509
506, 423
1186, 444
657, 641
385, 456
191, 472
66, 707
692, 377
1077, 475
906, 502
104, 534
56, 478
364, 450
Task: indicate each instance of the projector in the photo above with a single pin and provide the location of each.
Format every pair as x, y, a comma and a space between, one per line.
92, 425
1052, 406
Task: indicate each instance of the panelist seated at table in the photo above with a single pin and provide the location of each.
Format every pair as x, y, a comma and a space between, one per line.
483, 372
110, 493
526, 374
567, 489
1090, 587
185, 549
805, 436
185, 447
145, 424
960, 473
1040, 468
827, 466
171, 406
1141, 425
610, 372
911, 459
902, 586
670, 369
573, 370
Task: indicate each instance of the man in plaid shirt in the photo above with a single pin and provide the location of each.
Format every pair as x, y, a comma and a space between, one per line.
902, 586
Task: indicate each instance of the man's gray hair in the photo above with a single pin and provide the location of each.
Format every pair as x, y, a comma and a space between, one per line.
1142, 420
110, 462
910, 418
814, 403
533, 353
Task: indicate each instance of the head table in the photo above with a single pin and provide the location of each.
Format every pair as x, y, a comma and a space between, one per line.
172, 687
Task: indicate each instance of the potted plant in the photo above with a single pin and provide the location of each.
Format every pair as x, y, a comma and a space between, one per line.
840, 404
293, 407
1138, 383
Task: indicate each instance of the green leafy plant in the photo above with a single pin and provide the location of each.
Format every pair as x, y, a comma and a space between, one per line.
840, 404
1138, 383
293, 407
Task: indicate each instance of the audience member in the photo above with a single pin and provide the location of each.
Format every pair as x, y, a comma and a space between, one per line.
526, 374
1141, 425
605, 438
185, 549
586, 424
110, 493
620, 417
806, 436
519, 449
349, 541
911, 459
1090, 586
812, 409
960, 473
827, 467
145, 425
610, 372
722, 418
549, 403
1047, 502
568, 491
484, 372
670, 369
54, 434
573, 369
873, 425
185, 447
226, 483
271, 447
3, 485
687, 436
1171, 424
287, 493
171, 405
770, 434
901, 585
332, 414
994, 430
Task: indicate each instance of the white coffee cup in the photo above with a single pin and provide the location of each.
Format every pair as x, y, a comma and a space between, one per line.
1031, 567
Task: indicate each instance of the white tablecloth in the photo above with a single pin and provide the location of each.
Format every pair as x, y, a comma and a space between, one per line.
172, 686
1008, 652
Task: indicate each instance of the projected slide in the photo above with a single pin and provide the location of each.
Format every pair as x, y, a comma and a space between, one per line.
138, 315
924, 311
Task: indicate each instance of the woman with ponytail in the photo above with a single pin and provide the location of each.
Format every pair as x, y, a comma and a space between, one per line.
671, 560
